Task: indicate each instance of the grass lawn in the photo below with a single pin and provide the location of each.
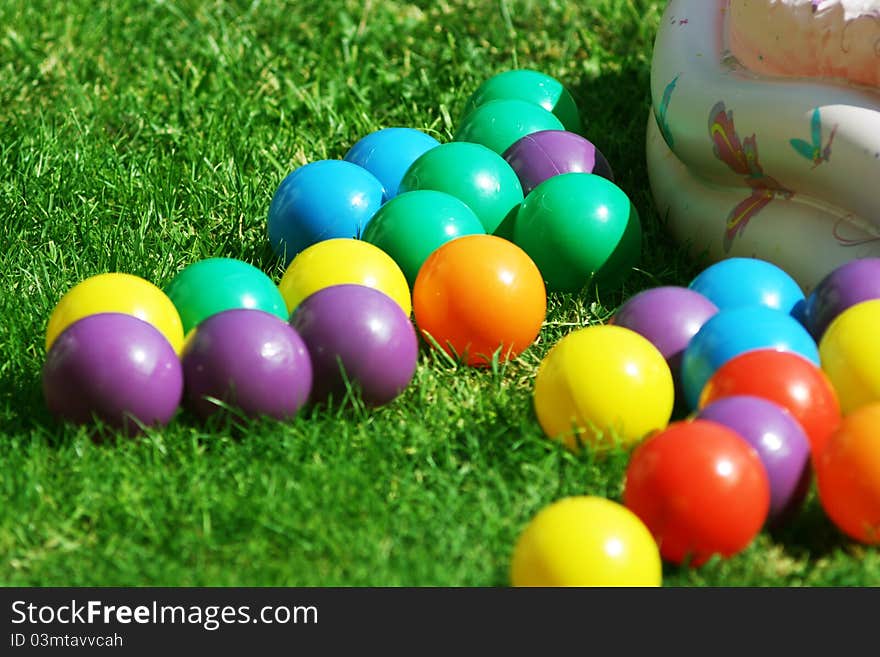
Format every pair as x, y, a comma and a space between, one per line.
143, 136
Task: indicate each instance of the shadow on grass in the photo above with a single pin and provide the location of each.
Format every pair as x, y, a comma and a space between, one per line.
23, 406
27, 414
811, 534
615, 107
261, 255
809, 538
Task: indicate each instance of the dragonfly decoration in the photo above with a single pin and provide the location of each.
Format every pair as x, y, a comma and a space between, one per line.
742, 158
814, 151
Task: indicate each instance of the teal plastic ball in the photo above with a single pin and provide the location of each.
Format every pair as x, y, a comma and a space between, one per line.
579, 228
474, 174
411, 226
207, 287
533, 86
501, 123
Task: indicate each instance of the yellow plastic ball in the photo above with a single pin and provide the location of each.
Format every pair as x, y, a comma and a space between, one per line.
116, 292
603, 382
340, 261
849, 352
586, 541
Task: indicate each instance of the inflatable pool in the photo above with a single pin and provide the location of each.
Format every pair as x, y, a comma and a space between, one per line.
764, 136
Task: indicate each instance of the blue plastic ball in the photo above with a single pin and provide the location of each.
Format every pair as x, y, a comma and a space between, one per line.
320, 201
739, 282
734, 331
388, 153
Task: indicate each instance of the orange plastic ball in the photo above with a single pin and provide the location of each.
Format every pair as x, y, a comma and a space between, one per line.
848, 475
478, 293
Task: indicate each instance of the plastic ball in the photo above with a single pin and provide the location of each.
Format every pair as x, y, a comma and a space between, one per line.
586, 541
474, 174
319, 201
602, 382
740, 282
787, 379
249, 360
731, 332
388, 153
210, 286
533, 86
497, 124
848, 475
117, 293
341, 261
850, 354
477, 295
579, 227
849, 284
669, 317
413, 225
547, 153
700, 489
780, 442
357, 336
115, 368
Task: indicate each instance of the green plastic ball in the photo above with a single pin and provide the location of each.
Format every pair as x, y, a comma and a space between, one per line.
213, 285
531, 86
474, 174
499, 123
579, 228
411, 226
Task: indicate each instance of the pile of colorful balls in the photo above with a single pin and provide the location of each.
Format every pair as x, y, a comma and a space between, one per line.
779, 391
467, 236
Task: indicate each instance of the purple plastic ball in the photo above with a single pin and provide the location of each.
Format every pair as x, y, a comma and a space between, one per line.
250, 360
362, 332
849, 284
115, 368
668, 317
780, 442
547, 153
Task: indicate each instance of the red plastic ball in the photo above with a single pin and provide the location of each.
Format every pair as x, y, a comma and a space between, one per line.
701, 490
787, 379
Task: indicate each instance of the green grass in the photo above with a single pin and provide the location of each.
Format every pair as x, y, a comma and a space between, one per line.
143, 136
